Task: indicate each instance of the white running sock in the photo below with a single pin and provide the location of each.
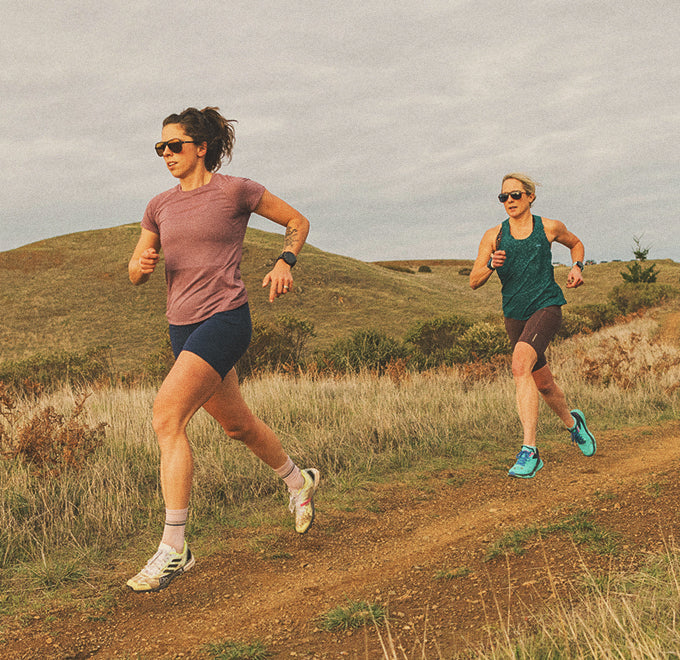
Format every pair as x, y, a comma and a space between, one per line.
173, 532
291, 474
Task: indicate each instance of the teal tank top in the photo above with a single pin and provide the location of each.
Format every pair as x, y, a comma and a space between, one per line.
527, 275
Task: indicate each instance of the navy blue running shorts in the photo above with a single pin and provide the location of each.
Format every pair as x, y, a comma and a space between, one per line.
537, 331
220, 339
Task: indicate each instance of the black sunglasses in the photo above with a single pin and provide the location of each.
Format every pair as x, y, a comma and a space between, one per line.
515, 194
174, 145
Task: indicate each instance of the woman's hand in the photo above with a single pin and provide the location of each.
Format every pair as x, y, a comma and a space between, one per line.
279, 279
148, 261
497, 258
575, 278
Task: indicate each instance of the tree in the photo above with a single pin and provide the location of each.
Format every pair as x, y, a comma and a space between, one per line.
636, 273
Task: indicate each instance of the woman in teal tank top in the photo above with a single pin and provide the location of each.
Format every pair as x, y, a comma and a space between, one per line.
519, 249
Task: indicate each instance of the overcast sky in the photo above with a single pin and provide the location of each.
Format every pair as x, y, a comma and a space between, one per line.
388, 124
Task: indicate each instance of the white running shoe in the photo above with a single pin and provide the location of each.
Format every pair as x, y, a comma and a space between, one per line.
162, 568
302, 502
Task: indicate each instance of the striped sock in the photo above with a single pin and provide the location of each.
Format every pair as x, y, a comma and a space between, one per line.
291, 475
173, 532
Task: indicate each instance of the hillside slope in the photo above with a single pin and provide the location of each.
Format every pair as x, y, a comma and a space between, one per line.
72, 292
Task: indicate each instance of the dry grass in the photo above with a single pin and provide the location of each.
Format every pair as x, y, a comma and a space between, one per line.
352, 427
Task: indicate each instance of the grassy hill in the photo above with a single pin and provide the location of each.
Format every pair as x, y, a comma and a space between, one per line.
72, 292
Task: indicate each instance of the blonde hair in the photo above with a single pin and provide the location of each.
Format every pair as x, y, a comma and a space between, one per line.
527, 182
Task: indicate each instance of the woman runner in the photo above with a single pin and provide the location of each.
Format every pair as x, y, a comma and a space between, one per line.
519, 249
200, 224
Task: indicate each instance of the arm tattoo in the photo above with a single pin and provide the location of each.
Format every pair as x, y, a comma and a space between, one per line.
290, 239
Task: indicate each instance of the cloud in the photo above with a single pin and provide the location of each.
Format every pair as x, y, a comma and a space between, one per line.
388, 124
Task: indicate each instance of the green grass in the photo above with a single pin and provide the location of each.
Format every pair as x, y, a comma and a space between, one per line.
355, 614
235, 650
578, 527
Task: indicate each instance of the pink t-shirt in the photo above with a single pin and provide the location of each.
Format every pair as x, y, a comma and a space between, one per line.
201, 233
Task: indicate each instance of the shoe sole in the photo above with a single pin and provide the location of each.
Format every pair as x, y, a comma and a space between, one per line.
582, 421
316, 477
527, 476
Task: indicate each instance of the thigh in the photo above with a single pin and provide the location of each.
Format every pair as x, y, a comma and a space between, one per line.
539, 330
190, 383
227, 405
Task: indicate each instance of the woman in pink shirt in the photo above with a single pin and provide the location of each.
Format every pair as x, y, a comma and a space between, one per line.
200, 225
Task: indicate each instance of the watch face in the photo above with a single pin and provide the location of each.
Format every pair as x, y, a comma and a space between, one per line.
289, 258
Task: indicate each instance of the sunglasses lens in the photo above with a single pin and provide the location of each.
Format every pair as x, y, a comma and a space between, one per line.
160, 148
175, 146
503, 197
516, 195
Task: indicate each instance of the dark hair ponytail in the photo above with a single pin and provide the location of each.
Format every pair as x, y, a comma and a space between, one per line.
208, 126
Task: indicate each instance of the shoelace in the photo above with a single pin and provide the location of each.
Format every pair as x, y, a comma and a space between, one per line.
158, 561
576, 435
523, 456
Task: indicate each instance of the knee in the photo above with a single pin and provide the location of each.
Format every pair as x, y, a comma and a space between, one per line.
166, 425
241, 430
523, 360
520, 366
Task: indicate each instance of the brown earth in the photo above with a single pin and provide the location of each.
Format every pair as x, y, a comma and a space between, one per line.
392, 552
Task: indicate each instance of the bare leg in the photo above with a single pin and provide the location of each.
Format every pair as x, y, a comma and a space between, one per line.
227, 406
190, 383
553, 395
523, 360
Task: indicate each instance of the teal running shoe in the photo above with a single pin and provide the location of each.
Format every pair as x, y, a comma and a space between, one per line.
581, 436
528, 463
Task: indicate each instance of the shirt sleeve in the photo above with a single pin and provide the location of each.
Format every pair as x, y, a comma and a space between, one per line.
149, 221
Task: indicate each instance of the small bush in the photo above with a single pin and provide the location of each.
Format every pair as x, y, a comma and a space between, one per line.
424, 269
364, 349
465, 271
437, 334
574, 323
599, 314
275, 345
481, 342
48, 371
629, 297
50, 442
636, 273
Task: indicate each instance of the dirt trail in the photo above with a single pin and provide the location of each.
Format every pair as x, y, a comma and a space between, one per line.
391, 554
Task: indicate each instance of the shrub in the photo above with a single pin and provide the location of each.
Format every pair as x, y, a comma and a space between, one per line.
574, 323
47, 371
424, 269
481, 342
437, 334
599, 314
275, 345
465, 271
364, 349
629, 297
636, 273
50, 442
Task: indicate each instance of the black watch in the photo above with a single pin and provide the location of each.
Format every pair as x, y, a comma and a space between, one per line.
579, 264
288, 257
